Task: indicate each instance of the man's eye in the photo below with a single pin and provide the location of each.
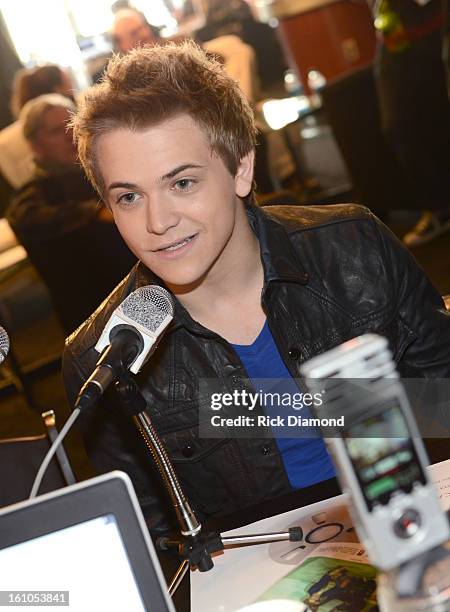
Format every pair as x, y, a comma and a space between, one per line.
184, 184
128, 198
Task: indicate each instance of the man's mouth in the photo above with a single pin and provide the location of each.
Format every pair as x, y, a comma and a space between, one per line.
174, 246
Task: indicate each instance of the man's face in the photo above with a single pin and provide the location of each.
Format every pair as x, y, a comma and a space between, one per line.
174, 202
131, 31
53, 143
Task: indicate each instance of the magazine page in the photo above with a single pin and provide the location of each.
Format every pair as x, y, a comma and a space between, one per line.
440, 476
242, 574
334, 576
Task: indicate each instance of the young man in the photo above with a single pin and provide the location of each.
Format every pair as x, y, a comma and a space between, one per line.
168, 141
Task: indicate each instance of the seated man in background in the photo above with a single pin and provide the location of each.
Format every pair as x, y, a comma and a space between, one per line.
16, 156
168, 141
57, 219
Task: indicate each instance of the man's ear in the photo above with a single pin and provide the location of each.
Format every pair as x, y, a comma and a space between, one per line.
244, 175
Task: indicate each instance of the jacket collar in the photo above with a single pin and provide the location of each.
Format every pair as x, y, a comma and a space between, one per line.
279, 259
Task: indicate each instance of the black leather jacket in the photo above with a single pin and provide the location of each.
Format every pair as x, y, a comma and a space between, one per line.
331, 273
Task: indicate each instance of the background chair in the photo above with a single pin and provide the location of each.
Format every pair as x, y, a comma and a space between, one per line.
20, 459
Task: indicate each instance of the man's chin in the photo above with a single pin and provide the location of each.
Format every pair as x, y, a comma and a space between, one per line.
178, 281
180, 284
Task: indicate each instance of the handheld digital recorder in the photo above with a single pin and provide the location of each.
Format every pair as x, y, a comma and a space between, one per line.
378, 452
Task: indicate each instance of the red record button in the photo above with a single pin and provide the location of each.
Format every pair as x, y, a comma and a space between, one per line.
408, 524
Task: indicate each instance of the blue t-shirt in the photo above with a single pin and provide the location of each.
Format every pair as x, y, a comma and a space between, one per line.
305, 459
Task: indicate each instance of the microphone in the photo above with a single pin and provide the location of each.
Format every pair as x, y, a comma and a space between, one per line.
4, 344
128, 339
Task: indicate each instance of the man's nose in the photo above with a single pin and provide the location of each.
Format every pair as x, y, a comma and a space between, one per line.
161, 216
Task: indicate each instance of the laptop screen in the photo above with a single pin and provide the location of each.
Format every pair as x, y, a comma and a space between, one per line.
86, 543
88, 560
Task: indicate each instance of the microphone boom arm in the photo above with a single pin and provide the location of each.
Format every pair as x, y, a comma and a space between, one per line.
195, 548
186, 517
198, 549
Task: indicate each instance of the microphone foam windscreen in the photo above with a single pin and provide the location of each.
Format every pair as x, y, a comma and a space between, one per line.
4, 344
148, 306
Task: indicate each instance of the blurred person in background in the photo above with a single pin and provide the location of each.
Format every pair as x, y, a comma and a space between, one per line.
414, 103
16, 156
57, 218
34, 82
34, 214
130, 28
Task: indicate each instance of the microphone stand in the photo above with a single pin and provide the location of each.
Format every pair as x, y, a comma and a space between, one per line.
194, 547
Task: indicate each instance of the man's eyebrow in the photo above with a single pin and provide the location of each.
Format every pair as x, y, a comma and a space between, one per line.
122, 186
177, 170
165, 177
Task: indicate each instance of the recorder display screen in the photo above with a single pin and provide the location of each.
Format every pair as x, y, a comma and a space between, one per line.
383, 456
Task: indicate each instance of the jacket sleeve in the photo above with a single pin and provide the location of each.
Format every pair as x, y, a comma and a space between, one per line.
113, 442
420, 309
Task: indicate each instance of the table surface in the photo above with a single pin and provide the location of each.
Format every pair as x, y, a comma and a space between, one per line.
296, 499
